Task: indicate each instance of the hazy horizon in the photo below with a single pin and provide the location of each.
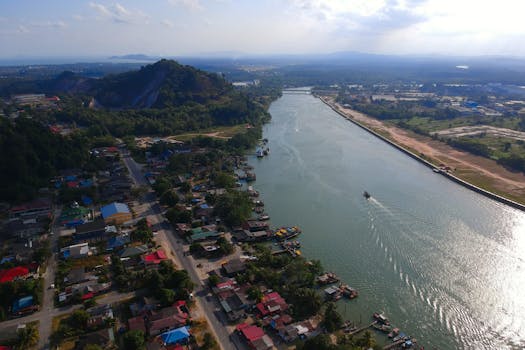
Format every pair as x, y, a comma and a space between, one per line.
176, 28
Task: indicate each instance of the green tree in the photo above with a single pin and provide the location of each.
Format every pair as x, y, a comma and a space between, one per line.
134, 340
166, 296
233, 207
367, 340
169, 198
92, 347
209, 342
27, 337
254, 293
306, 302
78, 319
223, 180
320, 342
332, 320
213, 280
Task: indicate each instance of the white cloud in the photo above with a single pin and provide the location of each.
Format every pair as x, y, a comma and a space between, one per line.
49, 24
119, 14
193, 5
167, 23
101, 9
22, 29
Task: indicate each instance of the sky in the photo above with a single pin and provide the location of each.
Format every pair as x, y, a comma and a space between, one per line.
100, 28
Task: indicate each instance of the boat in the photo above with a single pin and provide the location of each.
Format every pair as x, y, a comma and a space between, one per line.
436, 170
327, 278
250, 176
259, 153
263, 217
252, 192
366, 195
394, 333
266, 152
399, 337
332, 293
381, 318
258, 210
285, 233
348, 291
385, 328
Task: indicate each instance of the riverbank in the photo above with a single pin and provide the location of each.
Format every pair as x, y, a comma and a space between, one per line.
473, 172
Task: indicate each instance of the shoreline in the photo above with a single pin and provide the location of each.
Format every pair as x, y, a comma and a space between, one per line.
425, 162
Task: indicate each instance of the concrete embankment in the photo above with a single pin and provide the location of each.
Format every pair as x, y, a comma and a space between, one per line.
456, 179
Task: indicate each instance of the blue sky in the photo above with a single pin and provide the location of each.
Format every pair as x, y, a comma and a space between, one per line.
36, 28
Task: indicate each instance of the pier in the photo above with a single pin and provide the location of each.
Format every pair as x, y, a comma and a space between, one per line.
362, 328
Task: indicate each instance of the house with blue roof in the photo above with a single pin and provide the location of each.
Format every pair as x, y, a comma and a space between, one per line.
24, 305
117, 242
116, 213
176, 336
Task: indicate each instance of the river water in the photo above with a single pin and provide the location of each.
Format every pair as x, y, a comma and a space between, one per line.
445, 264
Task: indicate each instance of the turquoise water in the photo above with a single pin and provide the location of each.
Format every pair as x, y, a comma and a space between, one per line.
445, 264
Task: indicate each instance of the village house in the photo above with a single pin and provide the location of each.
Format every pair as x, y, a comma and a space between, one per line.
25, 228
233, 267
23, 306
41, 207
75, 251
271, 304
255, 337
98, 315
232, 298
166, 319
104, 338
143, 305
300, 330
116, 213
249, 236
152, 260
254, 226
94, 231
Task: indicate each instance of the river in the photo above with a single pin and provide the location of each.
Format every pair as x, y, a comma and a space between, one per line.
445, 264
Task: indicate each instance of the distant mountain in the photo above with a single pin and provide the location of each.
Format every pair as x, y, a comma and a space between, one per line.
136, 57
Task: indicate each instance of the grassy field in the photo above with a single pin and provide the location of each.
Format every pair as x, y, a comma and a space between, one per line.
223, 132
430, 125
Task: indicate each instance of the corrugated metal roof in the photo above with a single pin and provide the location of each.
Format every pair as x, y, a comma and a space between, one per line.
114, 208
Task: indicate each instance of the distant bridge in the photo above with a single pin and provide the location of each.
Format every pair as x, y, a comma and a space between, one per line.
296, 92
308, 92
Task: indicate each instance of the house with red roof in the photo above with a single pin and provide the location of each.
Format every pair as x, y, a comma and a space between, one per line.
255, 337
166, 319
9, 275
271, 304
137, 324
37, 208
152, 260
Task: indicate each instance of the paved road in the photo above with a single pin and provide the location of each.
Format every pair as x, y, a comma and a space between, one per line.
214, 315
47, 311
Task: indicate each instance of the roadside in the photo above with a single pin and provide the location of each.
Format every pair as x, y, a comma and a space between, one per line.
166, 238
480, 171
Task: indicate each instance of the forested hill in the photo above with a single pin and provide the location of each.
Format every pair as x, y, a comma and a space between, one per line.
159, 99
163, 84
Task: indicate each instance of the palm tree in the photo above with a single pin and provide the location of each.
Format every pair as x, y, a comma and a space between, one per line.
27, 337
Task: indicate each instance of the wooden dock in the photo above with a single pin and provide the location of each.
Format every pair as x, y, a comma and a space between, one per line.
362, 328
397, 343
